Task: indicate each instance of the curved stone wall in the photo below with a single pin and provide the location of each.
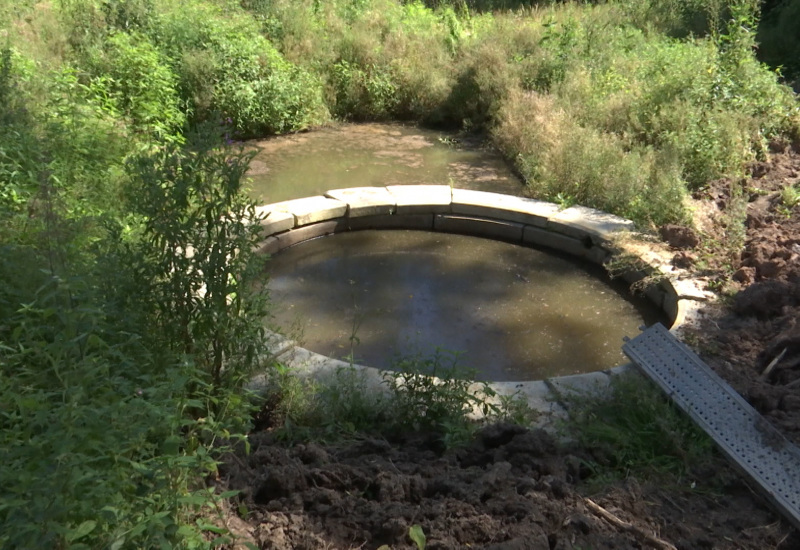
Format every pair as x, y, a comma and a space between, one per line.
579, 231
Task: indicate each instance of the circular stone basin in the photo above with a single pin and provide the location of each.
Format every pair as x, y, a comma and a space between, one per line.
516, 313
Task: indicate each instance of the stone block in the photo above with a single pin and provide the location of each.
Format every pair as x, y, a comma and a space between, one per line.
324, 369
582, 249
421, 199
670, 306
581, 222
289, 238
393, 221
625, 369
311, 209
688, 289
576, 385
270, 245
503, 207
275, 221
537, 393
365, 201
656, 294
278, 344
493, 229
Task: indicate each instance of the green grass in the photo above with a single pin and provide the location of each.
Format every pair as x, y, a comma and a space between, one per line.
634, 431
431, 394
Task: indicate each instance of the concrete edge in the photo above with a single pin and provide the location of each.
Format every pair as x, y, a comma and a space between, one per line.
579, 231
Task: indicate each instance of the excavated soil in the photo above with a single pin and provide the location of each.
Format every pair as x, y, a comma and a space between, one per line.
512, 489
752, 337
518, 489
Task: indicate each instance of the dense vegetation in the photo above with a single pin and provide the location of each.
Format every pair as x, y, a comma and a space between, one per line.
127, 326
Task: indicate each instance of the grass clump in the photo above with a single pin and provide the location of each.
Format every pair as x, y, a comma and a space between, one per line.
432, 395
634, 431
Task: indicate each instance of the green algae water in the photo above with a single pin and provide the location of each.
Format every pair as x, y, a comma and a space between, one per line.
515, 313
367, 155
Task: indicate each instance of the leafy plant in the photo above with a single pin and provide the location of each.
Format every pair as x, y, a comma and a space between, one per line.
435, 393
197, 255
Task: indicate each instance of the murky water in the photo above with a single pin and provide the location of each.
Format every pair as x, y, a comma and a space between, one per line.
365, 155
516, 313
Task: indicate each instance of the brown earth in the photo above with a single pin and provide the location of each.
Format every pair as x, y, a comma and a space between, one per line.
757, 325
511, 489
519, 489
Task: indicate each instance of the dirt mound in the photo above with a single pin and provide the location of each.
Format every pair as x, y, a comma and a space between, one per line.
513, 488
754, 341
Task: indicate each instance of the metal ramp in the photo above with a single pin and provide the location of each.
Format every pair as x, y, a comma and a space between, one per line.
751, 442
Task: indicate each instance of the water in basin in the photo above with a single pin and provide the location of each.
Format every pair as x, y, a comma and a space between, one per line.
366, 155
517, 313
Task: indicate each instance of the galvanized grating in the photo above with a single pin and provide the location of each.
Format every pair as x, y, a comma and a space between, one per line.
756, 446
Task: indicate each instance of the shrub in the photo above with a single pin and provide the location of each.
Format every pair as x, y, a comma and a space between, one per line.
131, 73
228, 70
565, 162
196, 257
779, 38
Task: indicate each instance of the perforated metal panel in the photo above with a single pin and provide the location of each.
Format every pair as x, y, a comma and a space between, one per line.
756, 446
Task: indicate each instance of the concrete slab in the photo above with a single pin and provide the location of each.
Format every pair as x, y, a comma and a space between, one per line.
483, 227
365, 201
393, 221
580, 222
537, 393
312, 209
688, 289
421, 199
576, 385
503, 207
289, 238
275, 221
626, 369
270, 245
562, 243
278, 344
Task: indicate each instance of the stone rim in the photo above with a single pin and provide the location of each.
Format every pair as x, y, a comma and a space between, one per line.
578, 231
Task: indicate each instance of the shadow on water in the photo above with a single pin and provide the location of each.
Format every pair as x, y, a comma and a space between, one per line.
516, 313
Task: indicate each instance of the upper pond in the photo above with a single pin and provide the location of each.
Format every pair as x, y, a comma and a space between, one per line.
364, 155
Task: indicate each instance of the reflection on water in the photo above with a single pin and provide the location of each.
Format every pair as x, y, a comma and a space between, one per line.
361, 155
516, 313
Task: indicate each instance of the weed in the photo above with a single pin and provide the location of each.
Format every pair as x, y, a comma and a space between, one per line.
634, 431
790, 196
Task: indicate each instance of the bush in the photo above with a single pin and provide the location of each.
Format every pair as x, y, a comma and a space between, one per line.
566, 163
135, 78
228, 70
196, 257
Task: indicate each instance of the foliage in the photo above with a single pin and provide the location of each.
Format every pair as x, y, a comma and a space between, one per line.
196, 255
430, 394
228, 70
436, 393
126, 329
633, 431
133, 78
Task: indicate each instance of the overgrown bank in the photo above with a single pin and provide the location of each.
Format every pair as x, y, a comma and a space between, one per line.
126, 329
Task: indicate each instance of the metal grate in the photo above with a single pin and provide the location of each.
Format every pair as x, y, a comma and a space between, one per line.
756, 446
